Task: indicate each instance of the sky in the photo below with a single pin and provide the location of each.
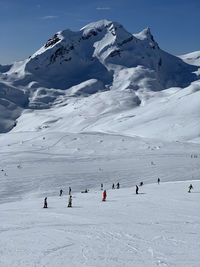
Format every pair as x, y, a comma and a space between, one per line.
25, 25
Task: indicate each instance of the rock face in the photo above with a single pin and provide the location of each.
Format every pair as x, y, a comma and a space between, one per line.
102, 56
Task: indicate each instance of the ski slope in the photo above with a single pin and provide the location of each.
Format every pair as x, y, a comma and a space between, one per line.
158, 227
44, 162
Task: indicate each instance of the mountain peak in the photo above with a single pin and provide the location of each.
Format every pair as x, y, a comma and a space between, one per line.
146, 35
97, 24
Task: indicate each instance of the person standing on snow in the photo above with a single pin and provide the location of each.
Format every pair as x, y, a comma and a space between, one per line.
70, 191
136, 190
118, 185
101, 186
70, 202
158, 180
104, 195
113, 186
61, 191
45, 203
189, 188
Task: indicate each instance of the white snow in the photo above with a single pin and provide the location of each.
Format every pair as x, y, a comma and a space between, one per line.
159, 227
192, 58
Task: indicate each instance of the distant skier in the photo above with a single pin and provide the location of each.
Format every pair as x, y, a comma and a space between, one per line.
136, 190
101, 186
61, 191
118, 185
189, 188
70, 202
158, 180
141, 183
70, 191
45, 203
113, 186
85, 191
104, 195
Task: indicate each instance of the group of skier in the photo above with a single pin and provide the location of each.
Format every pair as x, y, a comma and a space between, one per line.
104, 192
117, 186
60, 194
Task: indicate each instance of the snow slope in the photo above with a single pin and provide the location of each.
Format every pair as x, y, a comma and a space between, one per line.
158, 227
192, 58
171, 115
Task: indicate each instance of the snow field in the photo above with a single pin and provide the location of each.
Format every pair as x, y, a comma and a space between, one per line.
43, 162
158, 227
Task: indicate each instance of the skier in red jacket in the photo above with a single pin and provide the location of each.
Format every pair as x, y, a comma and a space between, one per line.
104, 195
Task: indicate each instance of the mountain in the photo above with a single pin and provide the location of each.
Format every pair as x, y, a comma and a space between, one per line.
98, 51
92, 77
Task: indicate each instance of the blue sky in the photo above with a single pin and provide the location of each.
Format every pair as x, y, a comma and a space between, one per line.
25, 25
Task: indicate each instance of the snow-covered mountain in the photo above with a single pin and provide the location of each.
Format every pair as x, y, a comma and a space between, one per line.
94, 77
98, 51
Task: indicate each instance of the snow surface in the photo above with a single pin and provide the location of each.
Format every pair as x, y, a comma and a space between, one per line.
192, 58
158, 227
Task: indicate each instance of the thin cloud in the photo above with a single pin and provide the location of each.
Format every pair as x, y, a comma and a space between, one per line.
49, 17
103, 8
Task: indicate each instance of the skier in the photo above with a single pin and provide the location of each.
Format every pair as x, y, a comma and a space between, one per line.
85, 191
70, 202
61, 191
118, 185
136, 190
189, 188
70, 191
104, 195
101, 186
158, 180
113, 186
45, 203
141, 183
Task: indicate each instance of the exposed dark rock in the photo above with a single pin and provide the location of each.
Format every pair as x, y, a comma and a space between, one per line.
115, 53
52, 41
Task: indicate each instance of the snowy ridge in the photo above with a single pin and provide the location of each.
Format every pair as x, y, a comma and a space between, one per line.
192, 58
